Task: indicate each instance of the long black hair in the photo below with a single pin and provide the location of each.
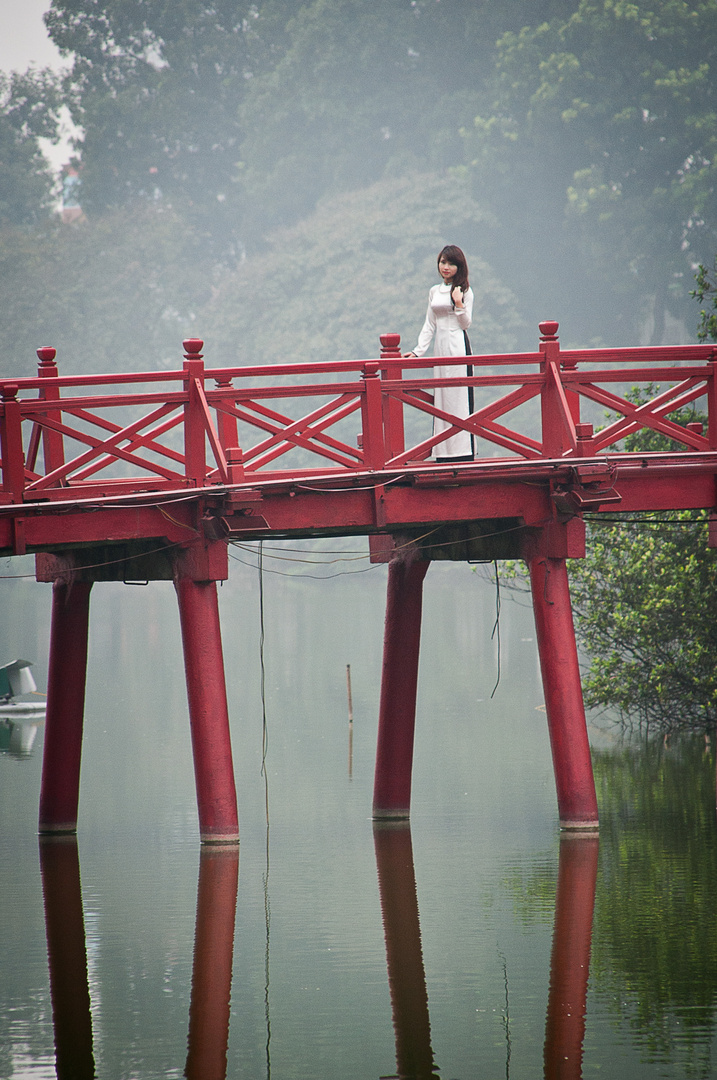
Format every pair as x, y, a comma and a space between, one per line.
454, 255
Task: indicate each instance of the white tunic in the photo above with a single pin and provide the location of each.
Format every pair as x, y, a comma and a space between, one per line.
446, 325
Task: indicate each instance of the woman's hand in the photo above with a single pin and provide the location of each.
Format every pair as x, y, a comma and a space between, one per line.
407, 354
457, 295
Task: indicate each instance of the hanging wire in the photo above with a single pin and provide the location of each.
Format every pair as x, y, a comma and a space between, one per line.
267, 923
264, 773
496, 626
262, 669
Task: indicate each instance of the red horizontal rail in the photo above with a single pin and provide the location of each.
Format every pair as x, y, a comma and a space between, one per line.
190, 427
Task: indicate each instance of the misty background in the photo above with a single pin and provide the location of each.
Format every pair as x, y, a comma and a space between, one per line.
278, 177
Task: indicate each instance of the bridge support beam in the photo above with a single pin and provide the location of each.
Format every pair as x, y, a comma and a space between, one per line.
60, 786
577, 802
399, 679
208, 712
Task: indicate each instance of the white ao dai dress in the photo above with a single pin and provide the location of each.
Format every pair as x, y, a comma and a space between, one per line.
446, 324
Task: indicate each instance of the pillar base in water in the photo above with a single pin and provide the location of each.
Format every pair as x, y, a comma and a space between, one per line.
389, 816
67, 829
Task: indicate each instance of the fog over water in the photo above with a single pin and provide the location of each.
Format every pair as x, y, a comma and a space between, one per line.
319, 977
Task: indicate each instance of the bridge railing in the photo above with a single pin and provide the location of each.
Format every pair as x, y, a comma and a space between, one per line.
87, 436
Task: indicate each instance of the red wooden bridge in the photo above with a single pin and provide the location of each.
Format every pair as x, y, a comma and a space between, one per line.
149, 475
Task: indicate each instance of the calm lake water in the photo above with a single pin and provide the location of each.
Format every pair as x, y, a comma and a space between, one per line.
478, 944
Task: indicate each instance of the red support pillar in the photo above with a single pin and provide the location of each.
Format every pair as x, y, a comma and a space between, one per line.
208, 712
577, 802
399, 679
60, 787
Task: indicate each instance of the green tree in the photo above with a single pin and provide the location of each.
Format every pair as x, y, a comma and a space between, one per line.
360, 266
28, 110
362, 91
642, 599
707, 291
156, 88
248, 113
121, 291
596, 155
118, 292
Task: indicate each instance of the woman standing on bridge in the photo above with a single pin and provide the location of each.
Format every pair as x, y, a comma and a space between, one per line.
449, 314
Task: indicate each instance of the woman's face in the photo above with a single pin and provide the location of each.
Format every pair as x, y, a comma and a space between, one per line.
447, 270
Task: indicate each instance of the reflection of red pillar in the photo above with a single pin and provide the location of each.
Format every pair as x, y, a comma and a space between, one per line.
399, 679
212, 971
60, 788
406, 976
208, 713
577, 802
67, 959
570, 958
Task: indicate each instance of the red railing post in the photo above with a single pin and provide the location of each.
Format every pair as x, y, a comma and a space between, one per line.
712, 401
52, 442
572, 396
552, 428
392, 369
227, 428
374, 452
11, 449
195, 460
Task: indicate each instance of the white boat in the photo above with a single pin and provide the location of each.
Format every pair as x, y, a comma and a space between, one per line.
16, 687
20, 713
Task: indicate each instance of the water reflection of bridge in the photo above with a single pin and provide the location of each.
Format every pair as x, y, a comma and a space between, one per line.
214, 944
148, 476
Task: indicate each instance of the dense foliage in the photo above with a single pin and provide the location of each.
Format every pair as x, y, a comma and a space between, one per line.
707, 291
584, 130
121, 291
29, 106
642, 598
603, 118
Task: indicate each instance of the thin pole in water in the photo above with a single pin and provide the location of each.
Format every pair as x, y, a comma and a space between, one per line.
348, 691
351, 720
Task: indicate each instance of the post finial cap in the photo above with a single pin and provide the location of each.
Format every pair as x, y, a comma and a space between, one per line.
548, 329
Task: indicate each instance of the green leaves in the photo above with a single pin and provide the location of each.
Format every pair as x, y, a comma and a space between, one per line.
611, 114
642, 599
707, 290
28, 110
